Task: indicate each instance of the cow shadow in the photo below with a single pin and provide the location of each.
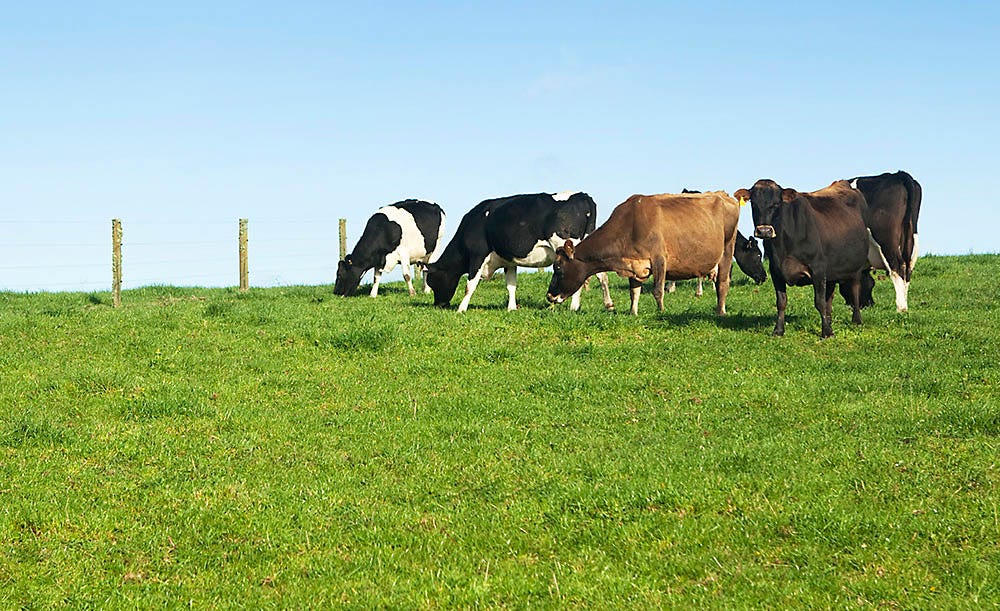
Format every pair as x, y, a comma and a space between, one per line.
734, 321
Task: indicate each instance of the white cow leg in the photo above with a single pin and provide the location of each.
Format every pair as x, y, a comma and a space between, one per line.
510, 275
408, 278
574, 301
490, 265
603, 279
378, 276
470, 288
700, 290
902, 287
635, 289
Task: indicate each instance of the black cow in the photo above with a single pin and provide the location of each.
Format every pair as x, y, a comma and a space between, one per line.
406, 232
893, 207
521, 230
816, 238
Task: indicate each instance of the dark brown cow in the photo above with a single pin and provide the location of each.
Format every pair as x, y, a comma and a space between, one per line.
816, 238
893, 207
668, 237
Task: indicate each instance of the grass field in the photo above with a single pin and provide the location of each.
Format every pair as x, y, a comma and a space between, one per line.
285, 448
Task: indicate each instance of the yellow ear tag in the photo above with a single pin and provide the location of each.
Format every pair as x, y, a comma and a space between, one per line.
743, 202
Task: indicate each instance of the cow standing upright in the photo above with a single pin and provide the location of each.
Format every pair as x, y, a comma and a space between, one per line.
406, 232
666, 237
816, 238
521, 230
893, 207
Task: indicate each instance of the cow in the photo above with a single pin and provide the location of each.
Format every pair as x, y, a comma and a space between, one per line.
816, 238
893, 207
507, 232
406, 232
668, 237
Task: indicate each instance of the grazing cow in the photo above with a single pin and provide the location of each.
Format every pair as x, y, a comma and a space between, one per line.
816, 238
521, 230
406, 232
893, 207
668, 237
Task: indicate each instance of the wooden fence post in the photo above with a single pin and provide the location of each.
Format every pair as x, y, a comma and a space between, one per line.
244, 262
343, 238
116, 262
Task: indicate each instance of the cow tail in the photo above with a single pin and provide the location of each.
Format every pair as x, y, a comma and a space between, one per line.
913, 196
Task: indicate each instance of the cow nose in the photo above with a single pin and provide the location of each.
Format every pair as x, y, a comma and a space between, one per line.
765, 232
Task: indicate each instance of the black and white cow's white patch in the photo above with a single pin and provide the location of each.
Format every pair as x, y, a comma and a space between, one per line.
403, 233
507, 232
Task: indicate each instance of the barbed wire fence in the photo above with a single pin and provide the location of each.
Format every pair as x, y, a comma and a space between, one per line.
84, 256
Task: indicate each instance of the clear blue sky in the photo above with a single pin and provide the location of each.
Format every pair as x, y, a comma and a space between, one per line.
180, 117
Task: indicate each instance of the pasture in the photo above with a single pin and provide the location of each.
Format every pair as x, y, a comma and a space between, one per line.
286, 448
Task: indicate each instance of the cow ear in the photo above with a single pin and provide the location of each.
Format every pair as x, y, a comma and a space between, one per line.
568, 249
788, 195
742, 194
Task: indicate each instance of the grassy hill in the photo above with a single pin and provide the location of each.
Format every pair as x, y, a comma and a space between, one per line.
287, 448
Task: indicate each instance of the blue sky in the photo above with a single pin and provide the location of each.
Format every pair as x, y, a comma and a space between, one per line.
181, 117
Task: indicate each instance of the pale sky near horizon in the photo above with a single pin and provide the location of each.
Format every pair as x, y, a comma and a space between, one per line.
181, 117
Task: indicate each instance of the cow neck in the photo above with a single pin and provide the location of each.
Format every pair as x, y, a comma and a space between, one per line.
364, 260
452, 257
596, 252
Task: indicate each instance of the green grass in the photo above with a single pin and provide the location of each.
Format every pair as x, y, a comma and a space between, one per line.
286, 448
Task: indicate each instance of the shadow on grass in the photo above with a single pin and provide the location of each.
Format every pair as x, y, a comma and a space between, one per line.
739, 321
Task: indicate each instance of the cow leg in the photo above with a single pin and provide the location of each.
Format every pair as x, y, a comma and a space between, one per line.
820, 300
423, 276
659, 279
510, 275
698, 292
781, 302
722, 281
490, 264
902, 287
378, 276
671, 287
405, 263
634, 289
855, 292
609, 305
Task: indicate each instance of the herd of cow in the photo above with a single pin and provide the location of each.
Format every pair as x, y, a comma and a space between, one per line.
833, 236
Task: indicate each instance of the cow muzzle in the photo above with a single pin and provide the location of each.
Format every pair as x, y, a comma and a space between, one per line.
764, 232
554, 298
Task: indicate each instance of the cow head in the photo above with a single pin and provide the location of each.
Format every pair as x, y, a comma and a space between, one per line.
568, 274
348, 277
442, 282
748, 257
766, 197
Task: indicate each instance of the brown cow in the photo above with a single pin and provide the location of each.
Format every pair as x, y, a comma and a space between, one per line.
668, 237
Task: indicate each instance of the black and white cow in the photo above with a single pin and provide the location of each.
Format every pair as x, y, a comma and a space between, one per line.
521, 230
406, 232
893, 207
